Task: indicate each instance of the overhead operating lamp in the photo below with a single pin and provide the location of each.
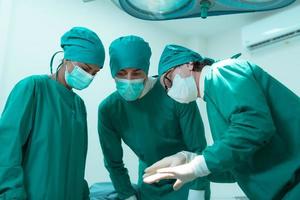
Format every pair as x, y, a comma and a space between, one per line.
176, 9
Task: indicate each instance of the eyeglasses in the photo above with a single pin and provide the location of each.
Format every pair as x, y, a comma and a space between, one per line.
180, 69
167, 81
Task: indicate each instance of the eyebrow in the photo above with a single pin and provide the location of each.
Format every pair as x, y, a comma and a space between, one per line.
137, 70
88, 66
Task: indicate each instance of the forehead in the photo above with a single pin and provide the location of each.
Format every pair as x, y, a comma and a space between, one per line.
81, 64
130, 70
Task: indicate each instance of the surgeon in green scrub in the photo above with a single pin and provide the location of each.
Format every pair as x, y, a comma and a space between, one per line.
254, 120
153, 125
43, 128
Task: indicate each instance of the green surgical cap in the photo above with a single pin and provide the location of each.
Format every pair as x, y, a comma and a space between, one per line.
83, 45
174, 55
129, 52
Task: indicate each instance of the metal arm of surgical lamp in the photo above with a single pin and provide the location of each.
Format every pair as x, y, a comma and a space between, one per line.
204, 6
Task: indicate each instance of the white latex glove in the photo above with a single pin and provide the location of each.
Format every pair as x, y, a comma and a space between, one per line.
183, 173
179, 158
133, 197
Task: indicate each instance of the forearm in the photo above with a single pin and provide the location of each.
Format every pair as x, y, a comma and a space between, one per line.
121, 181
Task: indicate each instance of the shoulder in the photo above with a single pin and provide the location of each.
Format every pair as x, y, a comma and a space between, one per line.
30, 82
110, 102
230, 72
231, 67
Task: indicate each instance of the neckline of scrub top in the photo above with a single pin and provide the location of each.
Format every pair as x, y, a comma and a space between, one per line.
149, 84
203, 75
61, 87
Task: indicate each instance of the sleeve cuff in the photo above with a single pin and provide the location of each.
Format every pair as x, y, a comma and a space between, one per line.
199, 166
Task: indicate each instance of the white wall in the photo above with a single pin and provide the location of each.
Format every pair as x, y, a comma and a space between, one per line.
281, 60
5, 16
34, 32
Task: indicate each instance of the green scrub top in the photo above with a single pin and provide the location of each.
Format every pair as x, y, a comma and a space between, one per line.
43, 142
154, 127
255, 123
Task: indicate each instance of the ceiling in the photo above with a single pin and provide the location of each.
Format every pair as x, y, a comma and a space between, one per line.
212, 25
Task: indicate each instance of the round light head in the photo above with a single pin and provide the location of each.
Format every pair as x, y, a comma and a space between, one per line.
158, 6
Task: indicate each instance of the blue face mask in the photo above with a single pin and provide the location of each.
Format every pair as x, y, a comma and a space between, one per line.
78, 78
130, 90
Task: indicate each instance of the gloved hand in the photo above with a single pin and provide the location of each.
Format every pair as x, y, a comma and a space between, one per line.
179, 158
133, 197
183, 173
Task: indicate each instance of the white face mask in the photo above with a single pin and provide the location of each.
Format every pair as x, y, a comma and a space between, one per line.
183, 90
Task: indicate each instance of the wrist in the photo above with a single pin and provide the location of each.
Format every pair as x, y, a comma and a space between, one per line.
199, 166
189, 156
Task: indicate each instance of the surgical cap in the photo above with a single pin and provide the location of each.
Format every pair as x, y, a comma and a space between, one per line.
174, 55
83, 45
129, 52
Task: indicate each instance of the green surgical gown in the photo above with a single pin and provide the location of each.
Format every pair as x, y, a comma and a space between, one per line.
43, 142
154, 127
255, 123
